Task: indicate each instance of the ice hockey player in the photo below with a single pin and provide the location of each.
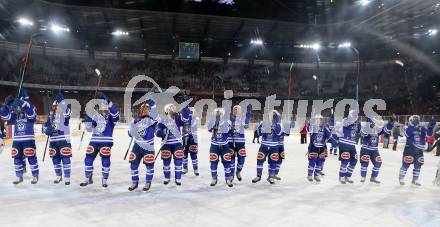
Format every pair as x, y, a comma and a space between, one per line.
168, 129
22, 114
347, 146
317, 152
237, 141
60, 149
219, 125
415, 144
101, 126
370, 133
387, 133
334, 140
270, 133
190, 145
142, 129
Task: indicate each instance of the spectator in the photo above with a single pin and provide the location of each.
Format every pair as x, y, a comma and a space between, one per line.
396, 134
303, 133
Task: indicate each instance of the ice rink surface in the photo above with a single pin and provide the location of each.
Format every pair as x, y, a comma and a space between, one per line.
291, 202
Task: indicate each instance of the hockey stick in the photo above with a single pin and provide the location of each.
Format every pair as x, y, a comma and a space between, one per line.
128, 149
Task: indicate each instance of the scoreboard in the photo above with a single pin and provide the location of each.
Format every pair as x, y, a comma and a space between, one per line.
189, 50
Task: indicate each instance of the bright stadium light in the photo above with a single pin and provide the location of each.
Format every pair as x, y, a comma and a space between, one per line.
257, 42
364, 2
316, 46
25, 22
432, 32
120, 33
58, 28
344, 45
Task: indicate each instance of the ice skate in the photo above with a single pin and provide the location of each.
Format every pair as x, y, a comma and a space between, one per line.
322, 173
58, 179
67, 181
86, 182
401, 181
271, 180
147, 186
104, 182
317, 178
213, 182
276, 177
133, 186
374, 180
416, 183
256, 179
178, 182
18, 180
229, 182
342, 180
310, 178
166, 181
185, 171
363, 179
349, 180
196, 172
238, 174
34, 180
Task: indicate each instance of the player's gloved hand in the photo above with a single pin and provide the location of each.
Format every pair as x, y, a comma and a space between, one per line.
23, 93
8, 100
102, 95
151, 103
18, 103
248, 109
59, 98
432, 123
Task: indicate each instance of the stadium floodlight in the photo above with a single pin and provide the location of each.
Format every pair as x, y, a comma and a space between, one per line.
432, 32
364, 2
399, 62
257, 42
120, 33
25, 22
344, 45
316, 46
58, 28
315, 77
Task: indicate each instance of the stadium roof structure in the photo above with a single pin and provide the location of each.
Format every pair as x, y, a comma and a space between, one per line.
379, 32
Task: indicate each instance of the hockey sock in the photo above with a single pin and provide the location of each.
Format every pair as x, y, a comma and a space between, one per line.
134, 172
57, 166
364, 169
214, 165
33, 163
66, 166
343, 168
240, 163
105, 160
403, 170
178, 168
18, 164
260, 167
311, 167
194, 161
88, 163
166, 168
150, 173
376, 169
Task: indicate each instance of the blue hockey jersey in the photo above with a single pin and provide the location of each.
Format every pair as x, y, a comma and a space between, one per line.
350, 132
169, 128
319, 135
370, 137
416, 135
102, 126
220, 128
238, 125
57, 126
23, 121
270, 134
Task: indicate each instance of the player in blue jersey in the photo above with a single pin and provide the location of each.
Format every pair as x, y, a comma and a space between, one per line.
370, 134
270, 133
347, 146
317, 152
101, 126
60, 149
219, 125
190, 145
285, 131
334, 140
239, 123
415, 144
22, 114
168, 129
142, 129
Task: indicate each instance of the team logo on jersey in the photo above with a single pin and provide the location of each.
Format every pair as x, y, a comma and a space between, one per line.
66, 151
132, 156
29, 152
378, 159
213, 157
261, 155
52, 152
275, 157
90, 150
319, 136
218, 135
149, 159
408, 159
179, 154
373, 140
166, 154
21, 126
421, 160
353, 133
14, 152
54, 126
105, 151
227, 157
313, 155
242, 152
194, 148
345, 155
100, 125
365, 158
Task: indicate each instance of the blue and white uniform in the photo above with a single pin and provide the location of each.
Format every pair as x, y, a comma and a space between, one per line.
190, 143
60, 148
102, 127
347, 146
270, 138
22, 115
334, 140
317, 152
237, 141
220, 128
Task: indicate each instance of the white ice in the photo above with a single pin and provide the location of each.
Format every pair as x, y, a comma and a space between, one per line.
291, 202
